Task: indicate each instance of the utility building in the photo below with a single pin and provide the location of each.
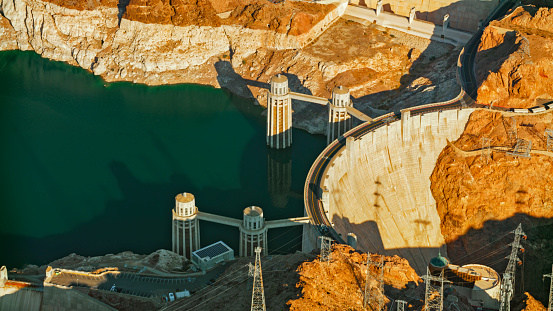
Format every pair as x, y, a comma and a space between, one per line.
209, 256
186, 230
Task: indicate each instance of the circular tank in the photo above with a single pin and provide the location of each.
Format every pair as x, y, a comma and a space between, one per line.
340, 96
185, 204
437, 264
253, 218
279, 85
487, 289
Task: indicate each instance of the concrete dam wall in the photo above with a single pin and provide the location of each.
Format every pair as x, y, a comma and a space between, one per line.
463, 15
379, 186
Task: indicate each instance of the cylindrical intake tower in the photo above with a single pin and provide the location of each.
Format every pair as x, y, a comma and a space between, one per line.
279, 113
186, 229
339, 121
253, 232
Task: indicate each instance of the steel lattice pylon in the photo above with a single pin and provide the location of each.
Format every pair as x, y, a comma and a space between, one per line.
521, 149
486, 149
508, 284
549, 135
258, 296
401, 305
550, 275
326, 248
512, 130
377, 299
506, 292
434, 296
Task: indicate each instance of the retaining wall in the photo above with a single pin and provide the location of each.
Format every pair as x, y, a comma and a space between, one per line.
463, 15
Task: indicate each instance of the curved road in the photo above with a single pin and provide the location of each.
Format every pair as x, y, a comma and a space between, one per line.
312, 191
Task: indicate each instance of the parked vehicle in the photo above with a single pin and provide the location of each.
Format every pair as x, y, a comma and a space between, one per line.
182, 294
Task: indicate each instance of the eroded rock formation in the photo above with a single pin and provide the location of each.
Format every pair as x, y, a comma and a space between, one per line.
221, 43
339, 285
471, 191
515, 59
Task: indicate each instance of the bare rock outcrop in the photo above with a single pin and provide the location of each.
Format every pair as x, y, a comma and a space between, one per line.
189, 41
177, 13
530, 304
470, 191
162, 260
8, 35
515, 59
340, 283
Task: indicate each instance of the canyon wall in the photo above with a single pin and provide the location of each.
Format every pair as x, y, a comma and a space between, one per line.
144, 51
515, 59
379, 186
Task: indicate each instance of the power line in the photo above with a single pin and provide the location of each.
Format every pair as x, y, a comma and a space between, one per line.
377, 297
258, 294
508, 284
271, 264
434, 296
550, 275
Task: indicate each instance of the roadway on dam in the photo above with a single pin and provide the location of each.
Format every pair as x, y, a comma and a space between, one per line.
312, 190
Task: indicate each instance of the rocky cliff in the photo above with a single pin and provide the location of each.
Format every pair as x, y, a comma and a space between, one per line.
340, 284
480, 200
470, 190
515, 59
154, 42
237, 46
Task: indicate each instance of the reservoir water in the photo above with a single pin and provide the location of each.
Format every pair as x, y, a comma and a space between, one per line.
92, 168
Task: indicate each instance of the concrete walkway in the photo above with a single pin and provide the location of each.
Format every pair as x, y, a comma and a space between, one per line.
478, 152
417, 28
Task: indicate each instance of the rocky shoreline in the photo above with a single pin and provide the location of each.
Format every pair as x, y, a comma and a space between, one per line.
385, 69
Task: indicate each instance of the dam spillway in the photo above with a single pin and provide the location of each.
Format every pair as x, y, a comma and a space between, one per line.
379, 186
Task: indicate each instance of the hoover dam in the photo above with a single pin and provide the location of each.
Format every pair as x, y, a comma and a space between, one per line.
379, 186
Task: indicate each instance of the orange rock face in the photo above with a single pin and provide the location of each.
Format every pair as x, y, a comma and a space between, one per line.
470, 191
339, 285
532, 304
84, 5
289, 17
174, 12
515, 59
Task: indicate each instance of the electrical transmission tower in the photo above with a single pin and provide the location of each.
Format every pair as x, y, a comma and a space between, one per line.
506, 293
434, 294
326, 248
549, 135
379, 277
525, 47
550, 275
508, 285
401, 305
512, 130
486, 150
258, 296
521, 149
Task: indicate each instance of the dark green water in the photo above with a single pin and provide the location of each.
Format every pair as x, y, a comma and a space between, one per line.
93, 169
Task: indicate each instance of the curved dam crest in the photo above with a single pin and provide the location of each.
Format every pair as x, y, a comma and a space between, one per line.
379, 186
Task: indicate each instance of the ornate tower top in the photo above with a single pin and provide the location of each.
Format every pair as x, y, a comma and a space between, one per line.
340, 96
185, 204
253, 218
